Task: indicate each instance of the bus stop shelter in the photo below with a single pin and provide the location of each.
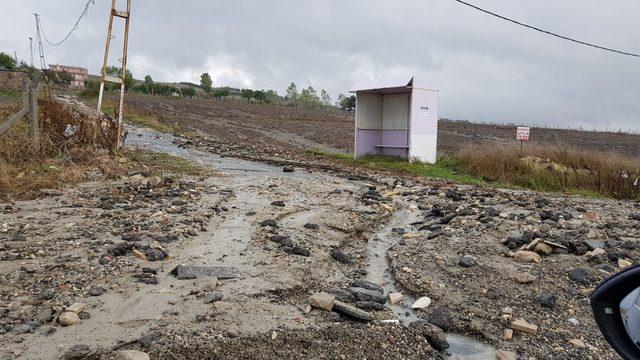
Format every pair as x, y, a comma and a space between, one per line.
396, 118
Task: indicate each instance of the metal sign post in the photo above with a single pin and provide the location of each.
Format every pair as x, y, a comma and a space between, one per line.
522, 134
126, 15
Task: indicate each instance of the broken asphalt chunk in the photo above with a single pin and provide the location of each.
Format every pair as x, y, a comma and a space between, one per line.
193, 271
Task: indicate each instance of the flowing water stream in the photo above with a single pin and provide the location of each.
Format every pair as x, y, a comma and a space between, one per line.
460, 346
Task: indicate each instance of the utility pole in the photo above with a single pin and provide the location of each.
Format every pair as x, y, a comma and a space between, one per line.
43, 62
126, 15
31, 49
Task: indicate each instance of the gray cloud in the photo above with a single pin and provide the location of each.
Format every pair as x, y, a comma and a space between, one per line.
486, 70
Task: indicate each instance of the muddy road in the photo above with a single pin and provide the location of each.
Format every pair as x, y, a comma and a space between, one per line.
87, 272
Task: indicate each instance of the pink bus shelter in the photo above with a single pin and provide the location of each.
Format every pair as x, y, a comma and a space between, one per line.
396, 118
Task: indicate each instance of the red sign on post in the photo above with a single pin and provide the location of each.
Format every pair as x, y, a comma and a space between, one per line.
523, 133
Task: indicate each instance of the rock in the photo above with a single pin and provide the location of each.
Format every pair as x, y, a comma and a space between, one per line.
595, 244
581, 276
340, 256
524, 256
44, 315
299, 250
547, 300
524, 326
351, 311
516, 239
22, 329
370, 305
624, 263
311, 226
595, 253
524, 278
467, 261
368, 295
269, 222
213, 297
433, 334
367, 285
195, 271
148, 339
77, 352
288, 169
544, 249
278, 203
76, 307
322, 300
577, 342
130, 355
97, 291
440, 317
507, 334
68, 318
395, 297
505, 355
422, 303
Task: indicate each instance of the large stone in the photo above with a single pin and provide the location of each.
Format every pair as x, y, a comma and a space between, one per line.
524, 326
367, 285
581, 275
130, 355
68, 318
544, 249
434, 335
77, 352
467, 261
77, 307
422, 303
195, 271
322, 300
351, 311
368, 295
527, 257
395, 297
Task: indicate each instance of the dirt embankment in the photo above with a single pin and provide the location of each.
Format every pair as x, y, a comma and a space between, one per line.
279, 130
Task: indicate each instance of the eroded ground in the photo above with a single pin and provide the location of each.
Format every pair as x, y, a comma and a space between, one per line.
111, 246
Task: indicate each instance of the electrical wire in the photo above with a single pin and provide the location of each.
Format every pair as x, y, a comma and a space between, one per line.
75, 26
547, 32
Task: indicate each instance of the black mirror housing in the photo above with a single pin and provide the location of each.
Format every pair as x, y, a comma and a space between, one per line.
605, 303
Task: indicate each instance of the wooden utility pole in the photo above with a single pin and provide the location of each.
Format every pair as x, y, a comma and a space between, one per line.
126, 15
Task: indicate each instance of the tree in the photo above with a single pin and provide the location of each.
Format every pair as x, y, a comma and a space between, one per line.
309, 97
221, 93
206, 82
188, 91
260, 96
6, 61
148, 86
116, 71
348, 103
65, 78
292, 92
246, 94
324, 96
272, 96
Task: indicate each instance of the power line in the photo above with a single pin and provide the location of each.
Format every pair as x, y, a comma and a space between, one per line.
75, 26
547, 32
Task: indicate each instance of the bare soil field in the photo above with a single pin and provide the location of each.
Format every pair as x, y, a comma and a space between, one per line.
291, 129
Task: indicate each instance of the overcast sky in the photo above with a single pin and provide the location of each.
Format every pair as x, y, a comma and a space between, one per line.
486, 69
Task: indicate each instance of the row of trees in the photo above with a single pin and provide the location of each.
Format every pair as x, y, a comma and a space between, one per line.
309, 97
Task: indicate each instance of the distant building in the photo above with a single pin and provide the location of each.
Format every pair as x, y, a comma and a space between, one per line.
79, 74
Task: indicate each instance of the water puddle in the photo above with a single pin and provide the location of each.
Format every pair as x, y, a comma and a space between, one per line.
460, 347
148, 139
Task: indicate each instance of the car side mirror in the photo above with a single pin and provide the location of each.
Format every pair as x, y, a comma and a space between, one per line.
616, 308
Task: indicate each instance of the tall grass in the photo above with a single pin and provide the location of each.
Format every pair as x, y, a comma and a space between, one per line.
555, 169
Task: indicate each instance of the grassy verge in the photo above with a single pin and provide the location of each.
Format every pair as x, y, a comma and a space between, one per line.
136, 118
24, 181
446, 168
546, 169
